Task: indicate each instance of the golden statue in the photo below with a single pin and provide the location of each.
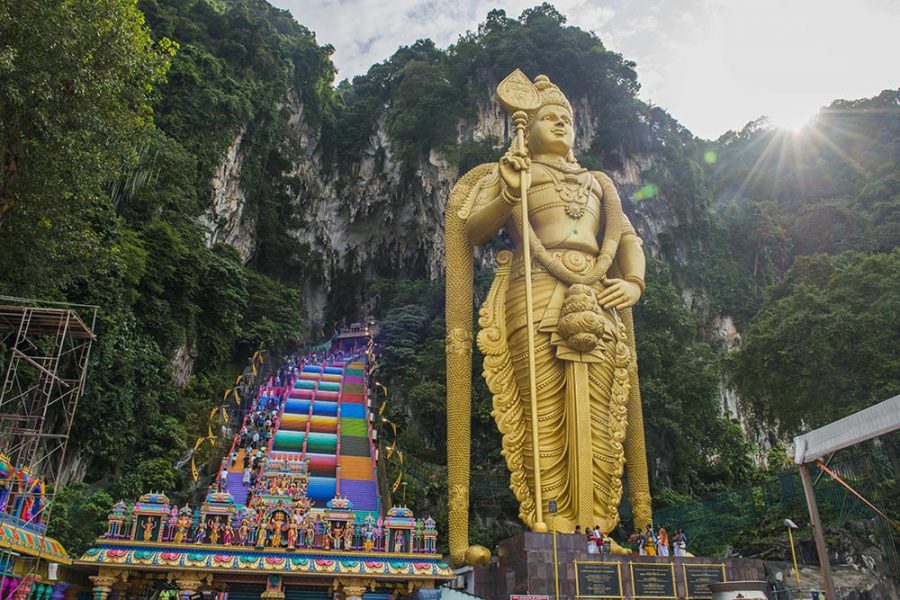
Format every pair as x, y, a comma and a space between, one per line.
555, 330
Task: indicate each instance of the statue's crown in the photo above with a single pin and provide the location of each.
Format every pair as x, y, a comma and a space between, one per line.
550, 93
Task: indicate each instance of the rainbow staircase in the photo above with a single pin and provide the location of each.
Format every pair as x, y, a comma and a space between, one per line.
324, 420
357, 463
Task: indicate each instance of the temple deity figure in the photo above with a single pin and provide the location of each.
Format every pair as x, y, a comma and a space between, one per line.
243, 533
228, 534
399, 541
310, 534
181, 530
173, 523
214, 527
277, 528
348, 536
148, 527
292, 535
27, 507
337, 536
379, 534
320, 530
556, 329
416, 539
261, 531
200, 536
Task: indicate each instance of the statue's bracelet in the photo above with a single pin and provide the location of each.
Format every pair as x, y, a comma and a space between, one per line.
636, 281
508, 198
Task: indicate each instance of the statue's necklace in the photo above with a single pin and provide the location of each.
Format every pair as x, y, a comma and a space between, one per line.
573, 192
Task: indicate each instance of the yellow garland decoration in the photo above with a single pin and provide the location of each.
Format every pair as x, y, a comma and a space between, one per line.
396, 483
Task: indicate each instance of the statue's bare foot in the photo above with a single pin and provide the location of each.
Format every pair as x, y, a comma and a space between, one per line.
615, 548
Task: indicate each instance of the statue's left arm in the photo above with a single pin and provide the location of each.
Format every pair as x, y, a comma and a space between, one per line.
630, 265
630, 258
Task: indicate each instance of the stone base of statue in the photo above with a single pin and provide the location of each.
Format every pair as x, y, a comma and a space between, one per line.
528, 564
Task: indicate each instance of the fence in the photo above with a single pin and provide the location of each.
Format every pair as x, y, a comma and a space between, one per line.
713, 522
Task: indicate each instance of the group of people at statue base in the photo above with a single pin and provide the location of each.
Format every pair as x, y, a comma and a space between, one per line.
650, 543
597, 543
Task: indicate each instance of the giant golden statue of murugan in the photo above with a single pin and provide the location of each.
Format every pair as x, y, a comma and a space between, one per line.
564, 377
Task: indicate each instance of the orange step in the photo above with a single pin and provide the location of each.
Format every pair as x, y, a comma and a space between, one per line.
356, 467
238, 466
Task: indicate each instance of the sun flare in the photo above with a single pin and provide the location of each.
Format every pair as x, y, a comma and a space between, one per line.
792, 118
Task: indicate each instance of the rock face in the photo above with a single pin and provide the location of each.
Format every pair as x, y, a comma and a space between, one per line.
226, 220
183, 364
376, 213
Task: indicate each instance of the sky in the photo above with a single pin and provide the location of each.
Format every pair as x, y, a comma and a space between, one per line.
714, 65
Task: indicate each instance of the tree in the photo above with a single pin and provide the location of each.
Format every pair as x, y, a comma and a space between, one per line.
76, 79
825, 344
693, 447
76, 84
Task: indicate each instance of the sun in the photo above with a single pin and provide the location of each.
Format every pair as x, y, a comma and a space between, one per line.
792, 118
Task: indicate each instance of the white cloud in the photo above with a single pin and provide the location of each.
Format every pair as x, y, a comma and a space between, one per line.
713, 64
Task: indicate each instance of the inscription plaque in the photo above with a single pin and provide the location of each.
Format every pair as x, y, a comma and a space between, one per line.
652, 580
598, 580
697, 578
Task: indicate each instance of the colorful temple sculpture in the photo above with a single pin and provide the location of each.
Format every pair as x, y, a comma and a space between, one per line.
295, 512
29, 560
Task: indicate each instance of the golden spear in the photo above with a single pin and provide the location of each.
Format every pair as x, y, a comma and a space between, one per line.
518, 94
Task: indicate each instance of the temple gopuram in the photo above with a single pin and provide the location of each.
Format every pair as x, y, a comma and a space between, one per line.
295, 513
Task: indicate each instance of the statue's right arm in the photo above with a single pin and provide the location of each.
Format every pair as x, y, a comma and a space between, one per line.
487, 219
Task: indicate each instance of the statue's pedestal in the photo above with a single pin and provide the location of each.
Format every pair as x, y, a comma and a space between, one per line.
525, 565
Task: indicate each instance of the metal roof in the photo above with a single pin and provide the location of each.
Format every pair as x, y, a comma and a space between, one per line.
864, 425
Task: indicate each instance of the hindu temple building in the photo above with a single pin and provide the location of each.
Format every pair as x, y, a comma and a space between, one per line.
29, 559
296, 512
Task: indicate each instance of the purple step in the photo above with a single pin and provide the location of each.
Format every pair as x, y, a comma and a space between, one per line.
237, 489
360, 493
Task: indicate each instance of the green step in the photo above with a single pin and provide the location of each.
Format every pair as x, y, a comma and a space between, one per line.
292, 441
357, 427
355, 446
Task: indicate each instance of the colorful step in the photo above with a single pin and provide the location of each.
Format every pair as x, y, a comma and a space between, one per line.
355, 446
362, 494
353, 427
356, 467
325, 443
321, 489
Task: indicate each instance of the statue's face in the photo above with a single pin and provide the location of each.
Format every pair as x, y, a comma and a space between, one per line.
552, 131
